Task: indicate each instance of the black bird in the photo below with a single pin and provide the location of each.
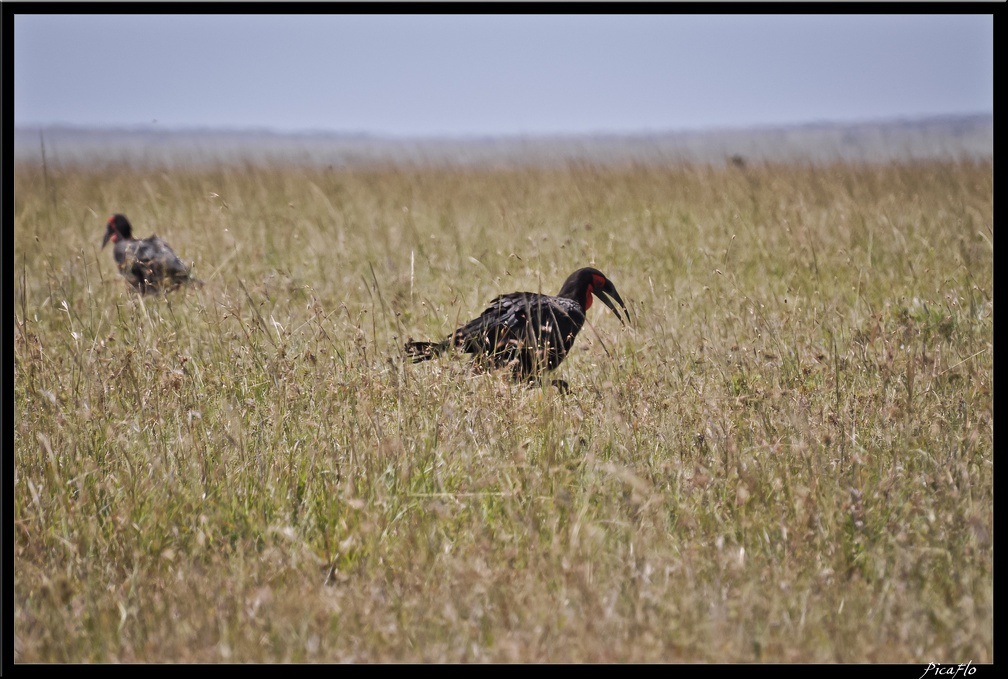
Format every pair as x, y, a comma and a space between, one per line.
528, 332
149, 265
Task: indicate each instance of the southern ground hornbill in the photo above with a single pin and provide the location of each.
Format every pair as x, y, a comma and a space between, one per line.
527, 332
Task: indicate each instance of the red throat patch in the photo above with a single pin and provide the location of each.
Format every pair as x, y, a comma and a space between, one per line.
597, 282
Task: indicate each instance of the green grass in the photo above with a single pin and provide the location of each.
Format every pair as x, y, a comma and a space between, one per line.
787, 458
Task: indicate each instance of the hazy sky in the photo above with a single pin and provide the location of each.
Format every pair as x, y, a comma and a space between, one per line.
492, 75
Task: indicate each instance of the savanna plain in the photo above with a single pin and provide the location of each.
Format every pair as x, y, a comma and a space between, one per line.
785, 456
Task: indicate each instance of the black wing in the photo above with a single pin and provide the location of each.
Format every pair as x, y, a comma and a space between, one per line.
497, 331
526, 331
151, 262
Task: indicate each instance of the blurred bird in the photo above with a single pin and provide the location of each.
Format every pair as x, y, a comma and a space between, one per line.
149, 265
528, 332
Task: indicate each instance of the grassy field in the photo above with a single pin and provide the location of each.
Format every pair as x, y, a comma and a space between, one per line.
787, 457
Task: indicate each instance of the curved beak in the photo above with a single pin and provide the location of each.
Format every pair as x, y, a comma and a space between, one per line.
607, 294
108, 234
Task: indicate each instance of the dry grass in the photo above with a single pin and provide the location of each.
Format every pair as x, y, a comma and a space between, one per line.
788, 457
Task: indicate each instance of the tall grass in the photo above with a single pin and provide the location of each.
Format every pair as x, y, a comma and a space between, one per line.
787, 458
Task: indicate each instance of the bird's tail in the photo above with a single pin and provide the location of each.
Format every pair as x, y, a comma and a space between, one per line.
423, 351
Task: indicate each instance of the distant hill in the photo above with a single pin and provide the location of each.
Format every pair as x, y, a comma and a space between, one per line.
938, 137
